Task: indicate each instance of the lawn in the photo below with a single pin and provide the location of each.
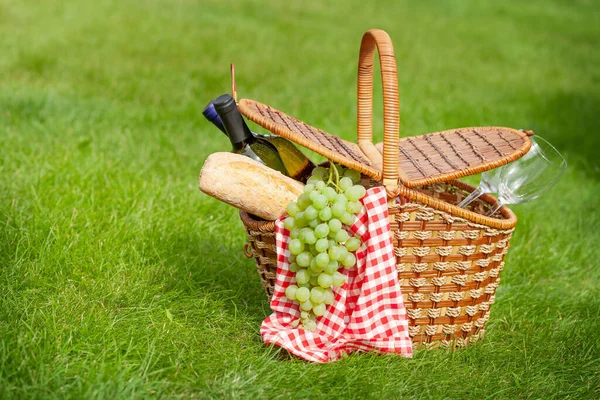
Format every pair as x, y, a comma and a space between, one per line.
120, 279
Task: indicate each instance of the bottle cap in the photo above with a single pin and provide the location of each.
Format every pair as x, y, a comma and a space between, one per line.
224, 103
232, 120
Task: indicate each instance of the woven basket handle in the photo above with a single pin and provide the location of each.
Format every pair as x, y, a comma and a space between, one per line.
391, 105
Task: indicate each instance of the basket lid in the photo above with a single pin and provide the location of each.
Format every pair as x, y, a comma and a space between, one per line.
430, 158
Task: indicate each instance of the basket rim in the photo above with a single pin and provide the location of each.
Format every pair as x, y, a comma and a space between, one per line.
473, 218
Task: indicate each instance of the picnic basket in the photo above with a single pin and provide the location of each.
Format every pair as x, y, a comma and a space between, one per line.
448, 258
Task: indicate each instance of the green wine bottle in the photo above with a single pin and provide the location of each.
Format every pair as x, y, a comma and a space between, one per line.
295, 162
242, 140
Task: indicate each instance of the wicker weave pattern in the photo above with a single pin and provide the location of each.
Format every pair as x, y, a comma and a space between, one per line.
455, 153
330, 146
424, 159
448, 267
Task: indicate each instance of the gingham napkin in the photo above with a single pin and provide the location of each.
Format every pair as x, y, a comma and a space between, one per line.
368, 313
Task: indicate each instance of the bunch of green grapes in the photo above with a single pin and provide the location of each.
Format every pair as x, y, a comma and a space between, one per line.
319, 240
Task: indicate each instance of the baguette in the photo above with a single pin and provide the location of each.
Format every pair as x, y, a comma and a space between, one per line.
248, 185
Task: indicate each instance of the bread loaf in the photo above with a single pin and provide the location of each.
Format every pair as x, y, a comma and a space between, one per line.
248, 185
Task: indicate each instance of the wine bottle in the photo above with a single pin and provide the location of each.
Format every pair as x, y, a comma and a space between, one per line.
296, 163
242, 140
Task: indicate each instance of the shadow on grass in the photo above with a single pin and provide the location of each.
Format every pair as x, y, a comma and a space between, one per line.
208, 263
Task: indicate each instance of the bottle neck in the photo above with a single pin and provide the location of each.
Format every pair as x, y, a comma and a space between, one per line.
233, 122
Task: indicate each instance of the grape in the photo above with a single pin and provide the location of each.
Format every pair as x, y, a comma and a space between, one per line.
314, 267
302, 294
350, 207
355, 193
349, 260
335, 253
321, 231
310, 325
292, 258
300, 221
348, 219
352, 174
313, 224
306, 306
329, 296
311, 213
330, 193
309, 188
294, 233
290, 292
341, 236
320, 202
338, 209
303, 259
353, 244
294, 267
314, 280
302, 277
317, 295
310, 238
338, 279
320, 185
341, 198
354, 207
296, 247
321, 245
320, 172
322, 260
325, 214
314, 273
334, 225
345, 183
344, 252
332, 267
293, 209
313, 195
303, 233
325, 280
319, 309
313, 180
303, 201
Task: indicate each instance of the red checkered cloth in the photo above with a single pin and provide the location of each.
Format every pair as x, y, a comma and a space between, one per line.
368, 313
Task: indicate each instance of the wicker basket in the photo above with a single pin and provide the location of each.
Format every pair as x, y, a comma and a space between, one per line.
448, 258
448, 266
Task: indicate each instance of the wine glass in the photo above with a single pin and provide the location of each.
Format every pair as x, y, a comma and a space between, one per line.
491, 179
530, 176
488, 184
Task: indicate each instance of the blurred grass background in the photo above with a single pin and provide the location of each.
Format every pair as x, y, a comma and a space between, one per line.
119, 279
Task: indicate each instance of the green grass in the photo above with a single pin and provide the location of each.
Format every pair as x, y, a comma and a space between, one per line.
119, 279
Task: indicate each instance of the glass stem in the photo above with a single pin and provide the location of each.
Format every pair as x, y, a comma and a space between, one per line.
474, 195
496, 208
